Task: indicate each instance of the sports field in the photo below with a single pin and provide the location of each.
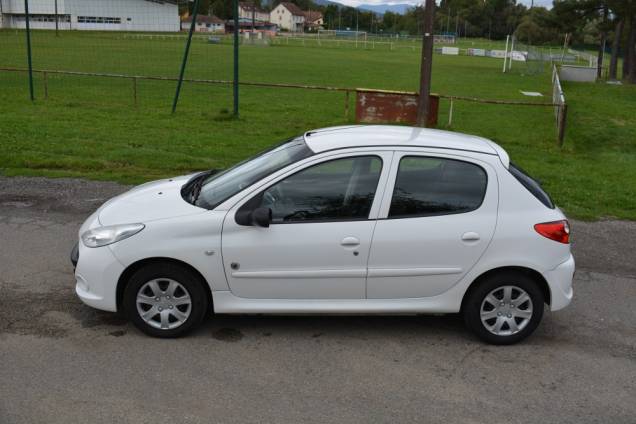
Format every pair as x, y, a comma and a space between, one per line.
90, 127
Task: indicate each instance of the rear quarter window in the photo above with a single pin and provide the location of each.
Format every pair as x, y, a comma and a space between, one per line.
532, 185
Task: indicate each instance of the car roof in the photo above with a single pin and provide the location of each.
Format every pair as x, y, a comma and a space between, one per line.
322, 140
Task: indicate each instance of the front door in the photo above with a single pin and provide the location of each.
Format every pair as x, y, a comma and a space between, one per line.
318, 242
440, 215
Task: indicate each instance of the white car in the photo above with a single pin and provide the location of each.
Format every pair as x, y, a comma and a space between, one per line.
344, 220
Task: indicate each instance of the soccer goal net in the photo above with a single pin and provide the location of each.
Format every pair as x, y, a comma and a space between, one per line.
342, 33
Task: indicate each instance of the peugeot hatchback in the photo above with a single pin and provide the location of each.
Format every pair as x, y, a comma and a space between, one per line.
360, 219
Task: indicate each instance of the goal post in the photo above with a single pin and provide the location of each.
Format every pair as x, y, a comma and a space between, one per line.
342, 33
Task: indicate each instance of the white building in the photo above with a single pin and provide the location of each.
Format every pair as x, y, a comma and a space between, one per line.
313, 20
204, 23
246, 9
100, 15
288, 16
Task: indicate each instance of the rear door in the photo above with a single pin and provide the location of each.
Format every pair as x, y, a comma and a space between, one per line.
438, 216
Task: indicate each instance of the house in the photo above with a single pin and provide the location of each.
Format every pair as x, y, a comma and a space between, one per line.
204, 24
246, 25
247, 9
288, 16
99, 15
313, 20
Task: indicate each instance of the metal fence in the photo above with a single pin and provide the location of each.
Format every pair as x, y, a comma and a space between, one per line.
560, 106
143, 53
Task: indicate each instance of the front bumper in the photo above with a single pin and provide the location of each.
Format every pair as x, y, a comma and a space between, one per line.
560, 282
97, 272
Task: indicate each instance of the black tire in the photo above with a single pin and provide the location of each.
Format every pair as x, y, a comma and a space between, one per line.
471, 309
170, 271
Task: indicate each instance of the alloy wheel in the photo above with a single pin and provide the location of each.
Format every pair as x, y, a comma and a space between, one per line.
506, 310
164, 303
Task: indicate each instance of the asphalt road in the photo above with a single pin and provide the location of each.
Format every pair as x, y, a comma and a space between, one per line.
62, 362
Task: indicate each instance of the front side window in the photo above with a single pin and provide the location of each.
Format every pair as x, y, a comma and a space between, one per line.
428, 186
338, 190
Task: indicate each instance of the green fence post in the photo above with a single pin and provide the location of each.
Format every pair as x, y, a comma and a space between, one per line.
236, 59
185, 55
28, 37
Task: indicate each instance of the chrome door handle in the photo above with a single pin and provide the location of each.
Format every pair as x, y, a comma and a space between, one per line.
470, 236
350, 242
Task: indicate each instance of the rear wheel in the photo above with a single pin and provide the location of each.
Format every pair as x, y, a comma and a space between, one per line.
165, 300
504, 308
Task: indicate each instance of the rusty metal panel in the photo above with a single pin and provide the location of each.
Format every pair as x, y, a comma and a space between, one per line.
376, 106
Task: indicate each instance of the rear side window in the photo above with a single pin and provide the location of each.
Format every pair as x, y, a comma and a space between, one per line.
532, 185
427, 186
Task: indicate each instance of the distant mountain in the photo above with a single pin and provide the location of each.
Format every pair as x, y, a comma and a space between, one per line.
326, 3
399, 8
380, 9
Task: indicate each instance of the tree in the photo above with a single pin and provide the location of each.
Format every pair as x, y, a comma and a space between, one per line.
537, 27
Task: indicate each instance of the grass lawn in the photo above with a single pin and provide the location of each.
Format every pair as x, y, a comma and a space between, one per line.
89, 127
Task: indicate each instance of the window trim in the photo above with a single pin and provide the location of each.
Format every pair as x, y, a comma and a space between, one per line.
393, 176
548, 203
377, 197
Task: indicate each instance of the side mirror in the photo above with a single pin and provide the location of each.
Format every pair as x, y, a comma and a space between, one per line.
261, 217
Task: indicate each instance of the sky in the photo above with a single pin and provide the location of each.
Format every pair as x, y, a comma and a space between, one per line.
547, 3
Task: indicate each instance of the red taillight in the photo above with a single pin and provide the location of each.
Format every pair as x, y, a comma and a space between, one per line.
556, 230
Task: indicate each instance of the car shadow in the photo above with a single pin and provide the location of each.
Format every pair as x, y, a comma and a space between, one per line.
234, 328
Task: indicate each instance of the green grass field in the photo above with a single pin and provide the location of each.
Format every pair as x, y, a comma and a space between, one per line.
89, 126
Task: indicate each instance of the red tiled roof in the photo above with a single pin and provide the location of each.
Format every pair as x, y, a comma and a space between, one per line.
312, 15
249, 6
205, 19
293, 9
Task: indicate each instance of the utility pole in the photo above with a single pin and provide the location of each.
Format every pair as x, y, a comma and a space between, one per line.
426, 68
448, 13
57, 21
253, 16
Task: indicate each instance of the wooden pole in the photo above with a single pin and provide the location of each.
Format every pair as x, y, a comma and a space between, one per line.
46, 85
134, 81
426, 66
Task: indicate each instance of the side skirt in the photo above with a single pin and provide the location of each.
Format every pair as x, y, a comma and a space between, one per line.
226, 303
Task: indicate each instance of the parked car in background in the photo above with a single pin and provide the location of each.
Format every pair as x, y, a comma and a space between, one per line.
360, 219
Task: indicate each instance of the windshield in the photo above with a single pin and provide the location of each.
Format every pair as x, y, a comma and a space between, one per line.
217, 188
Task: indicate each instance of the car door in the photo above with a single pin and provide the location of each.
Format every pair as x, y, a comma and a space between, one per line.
318, 242
438, 216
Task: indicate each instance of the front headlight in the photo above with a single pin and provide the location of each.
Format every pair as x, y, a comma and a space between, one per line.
102, 236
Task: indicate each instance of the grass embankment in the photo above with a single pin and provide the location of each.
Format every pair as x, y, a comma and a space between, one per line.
89, 127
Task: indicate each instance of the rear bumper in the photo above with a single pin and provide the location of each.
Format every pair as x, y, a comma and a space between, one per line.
560, 281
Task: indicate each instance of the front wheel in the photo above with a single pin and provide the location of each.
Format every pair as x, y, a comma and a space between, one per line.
165, 300
504, 308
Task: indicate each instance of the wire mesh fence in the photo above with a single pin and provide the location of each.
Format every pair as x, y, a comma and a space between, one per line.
109, 53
